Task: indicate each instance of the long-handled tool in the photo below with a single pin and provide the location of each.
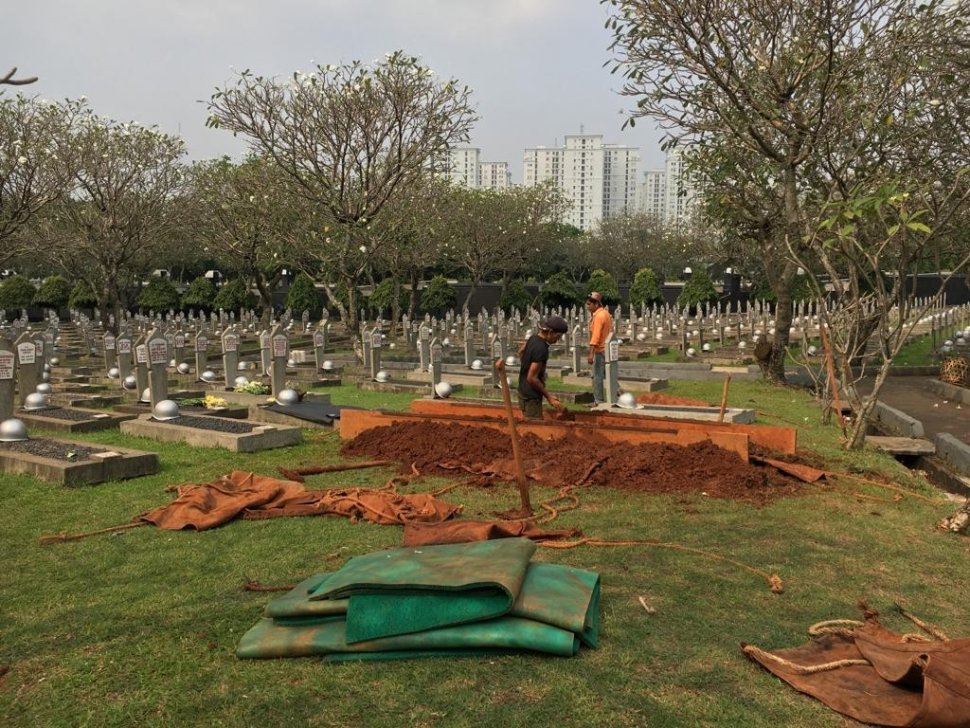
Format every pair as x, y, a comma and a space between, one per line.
526, 509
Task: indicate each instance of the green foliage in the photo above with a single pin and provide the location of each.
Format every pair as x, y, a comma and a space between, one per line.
16, 292
600, 280
200, 294
82, 296
645, 290
697, 290
54, 292
559, 290
159, 295
233, 296
383, 296
438, 295
303, 296
515, 296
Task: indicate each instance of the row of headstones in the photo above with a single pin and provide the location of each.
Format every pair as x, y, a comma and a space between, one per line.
137, 355
24, 361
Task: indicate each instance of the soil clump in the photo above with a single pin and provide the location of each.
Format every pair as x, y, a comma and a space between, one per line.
653, 468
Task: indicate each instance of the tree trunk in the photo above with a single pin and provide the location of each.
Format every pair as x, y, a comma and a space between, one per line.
471, 292
413, 298
395, 303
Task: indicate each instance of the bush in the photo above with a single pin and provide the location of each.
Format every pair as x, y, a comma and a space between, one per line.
54, 292
697, 290
82, 296
559, 290
233, 296
159, 295
383, 295
600, 280
514, 296
438, 295
645, 291
201, 294
303, 296
16, 292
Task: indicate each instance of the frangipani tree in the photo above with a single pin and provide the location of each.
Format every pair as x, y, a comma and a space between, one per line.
120, 210
348, 138
33, 173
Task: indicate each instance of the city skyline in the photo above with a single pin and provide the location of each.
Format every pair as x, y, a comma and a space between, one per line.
536, 67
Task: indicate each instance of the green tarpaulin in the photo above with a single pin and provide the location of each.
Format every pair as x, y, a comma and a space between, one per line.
476, 598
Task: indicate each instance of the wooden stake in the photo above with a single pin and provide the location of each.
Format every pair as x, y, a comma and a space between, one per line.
724, 395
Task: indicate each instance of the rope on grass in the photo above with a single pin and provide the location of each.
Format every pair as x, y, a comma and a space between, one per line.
64, 537
887, 486
928, 628
774, 581
800, 669
296, 474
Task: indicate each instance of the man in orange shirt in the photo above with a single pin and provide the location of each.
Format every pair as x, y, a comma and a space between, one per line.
600, 326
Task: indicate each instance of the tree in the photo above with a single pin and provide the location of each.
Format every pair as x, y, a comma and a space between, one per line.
349, 139
121, 209
82, 296
487, 232
645, 291
159, 295
249, 219
233, 296
772, 99
303, 296
438, 295
16, 292
624, 243
603, 282
515, 297
698, 289
382, 298
559, 290
54, 292
200, 294
32, 168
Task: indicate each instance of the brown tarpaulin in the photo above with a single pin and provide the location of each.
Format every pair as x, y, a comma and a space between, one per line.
425, 534
918, 684
252, 496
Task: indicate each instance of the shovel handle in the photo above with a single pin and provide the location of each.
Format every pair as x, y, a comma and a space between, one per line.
516, 454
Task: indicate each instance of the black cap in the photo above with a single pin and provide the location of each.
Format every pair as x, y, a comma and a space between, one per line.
555, 323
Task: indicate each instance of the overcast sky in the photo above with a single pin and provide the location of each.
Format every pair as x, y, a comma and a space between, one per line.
535, 66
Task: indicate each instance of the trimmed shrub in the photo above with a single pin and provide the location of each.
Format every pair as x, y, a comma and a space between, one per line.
16, 292
54, 292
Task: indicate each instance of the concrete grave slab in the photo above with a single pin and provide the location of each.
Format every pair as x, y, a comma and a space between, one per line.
235, 435
112, 463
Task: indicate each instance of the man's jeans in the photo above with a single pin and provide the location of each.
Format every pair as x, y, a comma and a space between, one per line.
599, 376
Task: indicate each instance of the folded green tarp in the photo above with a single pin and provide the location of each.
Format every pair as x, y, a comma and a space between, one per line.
414, 589
476, 598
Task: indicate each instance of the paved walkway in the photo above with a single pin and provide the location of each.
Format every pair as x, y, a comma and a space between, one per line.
915, 397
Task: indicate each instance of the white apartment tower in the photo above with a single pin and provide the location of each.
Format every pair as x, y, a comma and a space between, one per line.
599, 180
495, 175
666, 192
464, 166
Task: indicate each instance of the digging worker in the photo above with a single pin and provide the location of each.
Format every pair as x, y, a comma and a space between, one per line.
600, 326
532, 374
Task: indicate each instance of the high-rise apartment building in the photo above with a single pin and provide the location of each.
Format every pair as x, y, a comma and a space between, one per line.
464, 166
667, 193
495, 175
598, 180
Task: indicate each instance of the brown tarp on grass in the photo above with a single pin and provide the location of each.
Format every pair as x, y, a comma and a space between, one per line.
207, 505
877, 676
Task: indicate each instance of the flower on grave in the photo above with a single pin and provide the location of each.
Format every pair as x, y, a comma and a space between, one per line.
213, 402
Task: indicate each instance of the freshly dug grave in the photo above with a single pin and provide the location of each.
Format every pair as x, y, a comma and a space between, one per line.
650, 468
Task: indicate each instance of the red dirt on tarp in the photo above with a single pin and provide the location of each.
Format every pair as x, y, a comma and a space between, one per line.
655, 468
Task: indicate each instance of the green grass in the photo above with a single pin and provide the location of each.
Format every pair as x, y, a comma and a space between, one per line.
139, 628
918, 351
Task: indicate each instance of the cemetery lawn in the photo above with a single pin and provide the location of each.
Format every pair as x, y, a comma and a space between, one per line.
140, 627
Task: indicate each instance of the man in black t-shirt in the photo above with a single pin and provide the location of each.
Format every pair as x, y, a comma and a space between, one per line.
532, 374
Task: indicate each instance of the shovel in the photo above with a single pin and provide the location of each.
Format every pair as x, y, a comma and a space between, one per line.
526, 509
